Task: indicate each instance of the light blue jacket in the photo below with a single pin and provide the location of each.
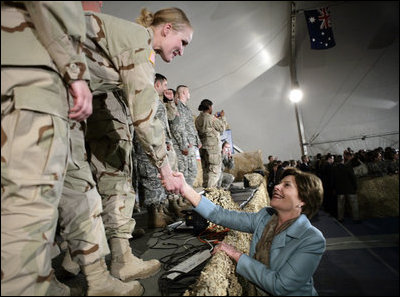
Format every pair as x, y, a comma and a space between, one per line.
295, 252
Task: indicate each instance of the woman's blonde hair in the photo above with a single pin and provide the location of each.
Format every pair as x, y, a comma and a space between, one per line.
173, 15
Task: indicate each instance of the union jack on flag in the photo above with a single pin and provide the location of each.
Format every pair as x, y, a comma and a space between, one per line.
320, 28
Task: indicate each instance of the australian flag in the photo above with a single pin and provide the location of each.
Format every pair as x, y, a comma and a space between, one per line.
320, 28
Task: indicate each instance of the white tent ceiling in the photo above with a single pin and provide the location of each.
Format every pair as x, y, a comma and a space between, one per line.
239, 59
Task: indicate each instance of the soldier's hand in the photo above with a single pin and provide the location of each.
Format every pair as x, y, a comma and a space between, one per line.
82, 108
169, 181
185, 152
169, 95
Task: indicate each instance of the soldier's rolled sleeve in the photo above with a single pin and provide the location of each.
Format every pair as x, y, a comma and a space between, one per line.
61, 28
219, 124
137, 73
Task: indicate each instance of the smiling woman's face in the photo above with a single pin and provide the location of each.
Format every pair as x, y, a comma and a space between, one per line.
174, 42
286, 196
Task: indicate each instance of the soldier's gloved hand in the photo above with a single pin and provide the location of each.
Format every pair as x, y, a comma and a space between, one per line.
82, 108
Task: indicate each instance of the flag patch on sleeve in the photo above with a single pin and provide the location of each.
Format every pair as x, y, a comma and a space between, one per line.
152, 57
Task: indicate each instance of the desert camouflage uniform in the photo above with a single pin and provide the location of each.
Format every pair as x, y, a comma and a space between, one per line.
109, 137
42, 155
124, 60
153, 191
210, 128
185, 137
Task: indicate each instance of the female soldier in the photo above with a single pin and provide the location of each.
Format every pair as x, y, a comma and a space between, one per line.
209, 128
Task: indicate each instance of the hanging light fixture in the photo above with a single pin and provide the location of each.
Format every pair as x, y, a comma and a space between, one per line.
296, 95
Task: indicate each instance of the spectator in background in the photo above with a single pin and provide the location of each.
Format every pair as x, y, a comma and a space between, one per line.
390, 162
375, 164
185, 137
292, 163
210, 127
330, 201
345, 185
226, 179
272, 178
282, 168
270, 161
305, 164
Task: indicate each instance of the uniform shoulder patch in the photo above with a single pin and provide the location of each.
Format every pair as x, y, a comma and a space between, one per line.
152, 57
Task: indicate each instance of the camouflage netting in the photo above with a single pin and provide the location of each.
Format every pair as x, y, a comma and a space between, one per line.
198, 182
218, 278
246, 162
378, 196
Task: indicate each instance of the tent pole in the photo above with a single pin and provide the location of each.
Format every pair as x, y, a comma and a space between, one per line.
293, 76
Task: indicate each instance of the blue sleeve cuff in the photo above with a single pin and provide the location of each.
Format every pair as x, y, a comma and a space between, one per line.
205, 207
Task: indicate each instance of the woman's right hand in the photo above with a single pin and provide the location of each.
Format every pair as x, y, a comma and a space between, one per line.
231, 251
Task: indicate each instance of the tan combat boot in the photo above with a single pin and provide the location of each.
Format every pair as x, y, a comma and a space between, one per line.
125, 266
158, 217
57, 288
101, 283
178, 204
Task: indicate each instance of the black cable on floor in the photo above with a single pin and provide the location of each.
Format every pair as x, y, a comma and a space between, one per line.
180, 283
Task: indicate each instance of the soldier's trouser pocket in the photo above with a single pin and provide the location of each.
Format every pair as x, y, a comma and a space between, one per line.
34, 157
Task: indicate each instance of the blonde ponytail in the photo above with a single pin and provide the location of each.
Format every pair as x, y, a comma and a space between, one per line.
146, 18
173, 15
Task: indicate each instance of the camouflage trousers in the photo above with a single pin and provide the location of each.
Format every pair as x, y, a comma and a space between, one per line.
172, 158
187, 164
153, 192
109, 138
211, 164
36, 170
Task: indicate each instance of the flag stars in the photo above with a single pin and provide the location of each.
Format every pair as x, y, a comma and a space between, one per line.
319, 28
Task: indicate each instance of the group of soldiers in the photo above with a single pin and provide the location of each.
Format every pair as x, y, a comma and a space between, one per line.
86, 124
74, 84
181, 142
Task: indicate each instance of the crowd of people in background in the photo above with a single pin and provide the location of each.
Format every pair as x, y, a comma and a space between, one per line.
339, 174
80, 166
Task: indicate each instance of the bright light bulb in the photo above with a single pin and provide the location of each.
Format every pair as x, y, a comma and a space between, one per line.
296, 95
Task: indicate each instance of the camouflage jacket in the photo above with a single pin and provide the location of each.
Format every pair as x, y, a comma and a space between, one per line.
183, 129
210, 128
161, 114
47, 35
120, 55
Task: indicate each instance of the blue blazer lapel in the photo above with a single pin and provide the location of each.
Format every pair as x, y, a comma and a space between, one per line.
296, 230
